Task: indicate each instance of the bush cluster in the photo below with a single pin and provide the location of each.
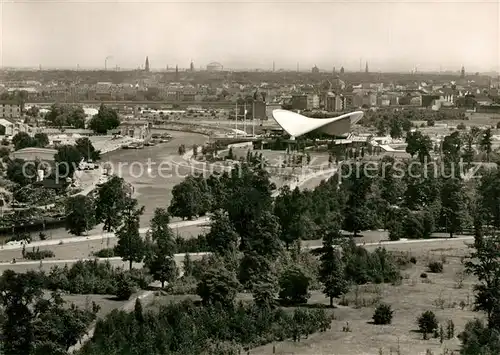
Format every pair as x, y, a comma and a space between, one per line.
105, 253
191, 245
186, 328
92, 277
38, 254
362, 266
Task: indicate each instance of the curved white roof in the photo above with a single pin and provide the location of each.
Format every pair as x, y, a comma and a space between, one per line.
296, 125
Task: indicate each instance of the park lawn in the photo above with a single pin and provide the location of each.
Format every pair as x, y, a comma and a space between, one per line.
438, 293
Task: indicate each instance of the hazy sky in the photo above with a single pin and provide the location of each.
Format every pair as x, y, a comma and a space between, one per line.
390, 35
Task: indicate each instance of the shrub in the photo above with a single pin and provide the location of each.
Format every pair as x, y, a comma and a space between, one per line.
105, 253
191, 245
93, 277
423, 275
38, 254
249, 326
361, 266
139, 278
184, 286
124, 288
383, 314
413, 260
427, 323
435, 267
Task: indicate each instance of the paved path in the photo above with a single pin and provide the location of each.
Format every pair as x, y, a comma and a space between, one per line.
180, 224
180, 256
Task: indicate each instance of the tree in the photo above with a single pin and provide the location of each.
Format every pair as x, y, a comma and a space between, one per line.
80, 216
453, 205
383, 314
263, 239
390, 184
357, 216
67, 159
218, 285
395, 129
291, 210
249, 194
86, 149
4, 152
106, 119
21, 172
130, 246
186, 199
427, 323
33, 111
222, 238
485, 143
479, 339
110, 203
294, 286
468, 154
331, 270
484, 263
138, 312
162, 264
381, 128
22, 140
419, 144
124, 287
19, 291
451, 147
65, 115
41, 140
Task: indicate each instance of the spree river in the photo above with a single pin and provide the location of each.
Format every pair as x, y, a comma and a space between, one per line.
153, 171
152, 188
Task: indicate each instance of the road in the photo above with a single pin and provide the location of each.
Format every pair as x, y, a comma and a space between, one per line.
174, 225
391, 245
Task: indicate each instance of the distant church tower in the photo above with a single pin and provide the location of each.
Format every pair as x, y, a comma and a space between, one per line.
366, 68
462, 72
191, 66
146, 66
176, 72
341, 70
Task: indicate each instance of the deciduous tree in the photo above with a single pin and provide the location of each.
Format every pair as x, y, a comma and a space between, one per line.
131, 246
80, 214
110, 203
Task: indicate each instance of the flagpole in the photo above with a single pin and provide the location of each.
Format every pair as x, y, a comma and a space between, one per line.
245, 118
253, 119
236, 119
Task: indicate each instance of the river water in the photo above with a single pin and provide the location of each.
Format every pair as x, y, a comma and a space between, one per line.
152, 188
154, 171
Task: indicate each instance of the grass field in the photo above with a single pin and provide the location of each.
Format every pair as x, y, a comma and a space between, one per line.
439, 292
449, 295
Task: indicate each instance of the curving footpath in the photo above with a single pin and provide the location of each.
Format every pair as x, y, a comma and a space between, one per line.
173, 225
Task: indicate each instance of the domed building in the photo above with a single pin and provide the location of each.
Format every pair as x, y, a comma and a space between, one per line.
214, 66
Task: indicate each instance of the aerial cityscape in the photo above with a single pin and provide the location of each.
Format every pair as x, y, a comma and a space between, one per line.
232, 178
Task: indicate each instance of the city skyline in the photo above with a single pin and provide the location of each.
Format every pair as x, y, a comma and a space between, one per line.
429, 36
